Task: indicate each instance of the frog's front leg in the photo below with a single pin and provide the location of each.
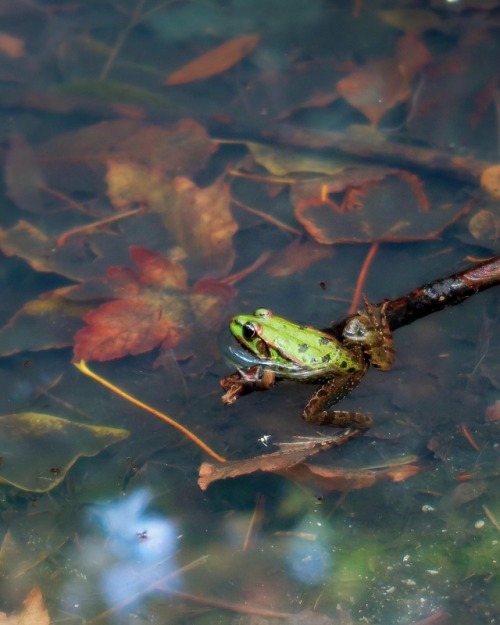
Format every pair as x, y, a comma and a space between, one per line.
317, 410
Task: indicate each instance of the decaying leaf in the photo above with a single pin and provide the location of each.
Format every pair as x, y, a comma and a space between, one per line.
39, 449
33, 613
215, 61
345, 480
289, 455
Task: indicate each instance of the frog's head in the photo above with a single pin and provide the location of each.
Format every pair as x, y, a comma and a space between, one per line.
251, 331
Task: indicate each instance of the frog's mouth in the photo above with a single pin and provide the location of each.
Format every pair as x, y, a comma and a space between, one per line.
242, 358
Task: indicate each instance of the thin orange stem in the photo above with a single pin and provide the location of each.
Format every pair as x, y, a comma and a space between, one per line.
96, 224
82, 366
356, 299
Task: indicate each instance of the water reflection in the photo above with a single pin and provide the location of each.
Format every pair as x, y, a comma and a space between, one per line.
128, 551
309, 561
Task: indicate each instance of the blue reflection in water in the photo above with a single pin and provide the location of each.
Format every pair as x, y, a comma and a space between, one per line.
138, 550
310, 562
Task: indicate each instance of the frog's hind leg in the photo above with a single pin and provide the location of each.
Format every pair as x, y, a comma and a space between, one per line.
317, 410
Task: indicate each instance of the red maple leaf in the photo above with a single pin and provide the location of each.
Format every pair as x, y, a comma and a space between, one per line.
150, 307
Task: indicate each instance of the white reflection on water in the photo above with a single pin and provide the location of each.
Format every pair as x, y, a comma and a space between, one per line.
137, 550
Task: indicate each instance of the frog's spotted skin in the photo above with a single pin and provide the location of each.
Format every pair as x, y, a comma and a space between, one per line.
297, 352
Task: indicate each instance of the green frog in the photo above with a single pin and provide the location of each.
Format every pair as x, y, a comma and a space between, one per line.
284, 350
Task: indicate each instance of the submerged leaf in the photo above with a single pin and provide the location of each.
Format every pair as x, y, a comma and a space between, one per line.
375, 88
23, 176
215, 61
151, 307
201, 221
45, 323
38, 449
29, 541
33, 613
394, 209
282, 161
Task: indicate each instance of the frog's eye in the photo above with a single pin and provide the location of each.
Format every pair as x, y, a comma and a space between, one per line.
249, 331
355, 330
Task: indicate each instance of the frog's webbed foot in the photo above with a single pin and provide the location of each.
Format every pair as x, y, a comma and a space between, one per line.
246, 381
318, 410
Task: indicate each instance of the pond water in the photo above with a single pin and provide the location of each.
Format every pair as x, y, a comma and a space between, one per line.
168, 165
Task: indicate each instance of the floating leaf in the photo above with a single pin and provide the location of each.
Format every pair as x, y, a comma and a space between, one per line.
38, 449
215, 61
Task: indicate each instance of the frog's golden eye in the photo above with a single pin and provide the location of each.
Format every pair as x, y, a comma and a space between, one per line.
355, 330
249, 332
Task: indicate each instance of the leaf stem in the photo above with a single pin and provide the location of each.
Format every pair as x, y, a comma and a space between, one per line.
82, 366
